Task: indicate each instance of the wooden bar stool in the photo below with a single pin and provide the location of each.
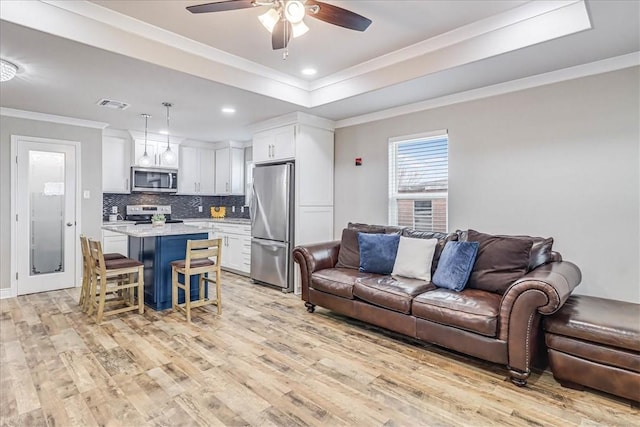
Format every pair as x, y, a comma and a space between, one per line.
198, 261
114, 278
86, 270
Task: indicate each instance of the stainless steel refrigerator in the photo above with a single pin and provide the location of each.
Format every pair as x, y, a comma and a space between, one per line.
272, 225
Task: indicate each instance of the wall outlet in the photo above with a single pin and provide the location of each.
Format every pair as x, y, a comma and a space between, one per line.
114, 209
233, 209
199, 208
242, 209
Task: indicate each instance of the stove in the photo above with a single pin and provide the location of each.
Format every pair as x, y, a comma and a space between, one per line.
142, 214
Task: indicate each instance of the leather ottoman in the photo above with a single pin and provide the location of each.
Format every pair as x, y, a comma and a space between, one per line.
595, 342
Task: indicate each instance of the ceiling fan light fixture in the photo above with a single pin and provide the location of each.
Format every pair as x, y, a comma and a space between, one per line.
299, 29
294, 11
269, 19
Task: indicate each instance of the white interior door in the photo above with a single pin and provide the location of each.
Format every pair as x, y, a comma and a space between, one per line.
46, 216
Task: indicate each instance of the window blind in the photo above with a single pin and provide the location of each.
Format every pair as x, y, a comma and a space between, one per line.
419, 182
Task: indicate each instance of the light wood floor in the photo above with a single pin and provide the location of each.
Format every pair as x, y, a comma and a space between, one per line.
265, 361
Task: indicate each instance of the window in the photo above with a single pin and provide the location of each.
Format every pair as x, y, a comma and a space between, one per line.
419, 181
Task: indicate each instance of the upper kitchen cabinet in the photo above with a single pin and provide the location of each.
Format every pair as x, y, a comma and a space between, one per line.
116, 162
155, 150
230, 170
196, 174
273, 145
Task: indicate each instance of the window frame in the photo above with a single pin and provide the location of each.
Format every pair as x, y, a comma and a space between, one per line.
393, 195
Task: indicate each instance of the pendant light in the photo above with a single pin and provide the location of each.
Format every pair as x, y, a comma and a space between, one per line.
168, 157
145, 160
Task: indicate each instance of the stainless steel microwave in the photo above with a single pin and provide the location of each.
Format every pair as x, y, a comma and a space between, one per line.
154, 180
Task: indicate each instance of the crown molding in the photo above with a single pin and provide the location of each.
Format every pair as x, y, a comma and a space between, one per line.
42, 117
94, 25
293, 118
571, 73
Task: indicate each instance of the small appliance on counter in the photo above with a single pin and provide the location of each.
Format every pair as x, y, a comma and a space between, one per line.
142, 214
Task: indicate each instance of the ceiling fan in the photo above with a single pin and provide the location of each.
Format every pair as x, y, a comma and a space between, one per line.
285, 17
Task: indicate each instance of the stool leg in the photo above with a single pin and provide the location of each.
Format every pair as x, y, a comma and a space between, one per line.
140, 290
174, 288
218, 292
103, 292
187, 296
91, 298
201, 284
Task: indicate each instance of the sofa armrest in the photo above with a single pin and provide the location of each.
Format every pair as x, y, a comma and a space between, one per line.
556, 280
313, 258
542, 291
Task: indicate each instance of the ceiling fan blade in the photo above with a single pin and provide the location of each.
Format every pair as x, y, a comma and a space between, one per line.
221, 6
281, 34
338, 16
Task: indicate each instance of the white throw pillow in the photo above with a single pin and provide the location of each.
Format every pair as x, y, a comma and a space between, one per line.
414, 258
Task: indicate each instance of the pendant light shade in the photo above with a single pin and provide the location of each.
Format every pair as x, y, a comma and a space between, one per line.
168, 157
145, 160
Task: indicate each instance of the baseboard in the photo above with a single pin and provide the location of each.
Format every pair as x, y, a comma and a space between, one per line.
7, 293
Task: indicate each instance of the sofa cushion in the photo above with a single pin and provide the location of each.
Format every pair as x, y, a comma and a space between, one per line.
336, 281
378, 252
389, 292
500, 262
414, 258
349, 253
541, 249
456, 264
472, 309
443, 238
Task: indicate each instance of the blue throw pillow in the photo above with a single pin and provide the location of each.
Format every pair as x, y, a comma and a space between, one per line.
455, 265
378, 252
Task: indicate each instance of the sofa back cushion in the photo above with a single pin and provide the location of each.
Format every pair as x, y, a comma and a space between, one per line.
541, 249
349, 253
378, 252
500, 261
443, 238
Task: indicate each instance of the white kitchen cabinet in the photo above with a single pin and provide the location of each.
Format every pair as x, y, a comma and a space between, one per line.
275, 144
155, 150
229, 171
196, 174
113, 242
236, 247
116, 163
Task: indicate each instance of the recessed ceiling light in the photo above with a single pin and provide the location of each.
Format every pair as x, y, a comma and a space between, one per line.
7, 70
164, 132
309, 71
228, 110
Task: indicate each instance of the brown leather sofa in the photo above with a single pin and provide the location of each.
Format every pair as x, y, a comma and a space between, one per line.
500, 327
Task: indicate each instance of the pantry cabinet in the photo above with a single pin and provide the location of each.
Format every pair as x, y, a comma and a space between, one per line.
116, 163
196, 174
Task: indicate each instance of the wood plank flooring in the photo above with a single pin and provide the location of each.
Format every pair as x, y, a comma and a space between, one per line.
264, 362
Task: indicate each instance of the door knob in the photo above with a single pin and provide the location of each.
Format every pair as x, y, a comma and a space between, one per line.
69, 224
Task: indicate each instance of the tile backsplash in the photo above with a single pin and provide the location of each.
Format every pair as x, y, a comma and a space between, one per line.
181, 206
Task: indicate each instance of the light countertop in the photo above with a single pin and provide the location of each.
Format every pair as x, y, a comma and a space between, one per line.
220, 220
147, 230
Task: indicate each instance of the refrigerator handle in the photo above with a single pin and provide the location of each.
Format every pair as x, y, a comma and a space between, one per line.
252, 205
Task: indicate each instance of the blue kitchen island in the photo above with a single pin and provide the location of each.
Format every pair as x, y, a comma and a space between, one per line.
156, 248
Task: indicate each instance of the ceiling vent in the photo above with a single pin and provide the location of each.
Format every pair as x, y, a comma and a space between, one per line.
114, 105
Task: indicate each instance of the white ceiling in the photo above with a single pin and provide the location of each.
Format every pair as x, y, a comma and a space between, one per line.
71, 54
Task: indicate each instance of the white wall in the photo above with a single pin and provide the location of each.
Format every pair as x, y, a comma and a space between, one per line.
560, 160
91, 178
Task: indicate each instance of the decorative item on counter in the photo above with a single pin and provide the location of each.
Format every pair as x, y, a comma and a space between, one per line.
218, 211
158, 220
